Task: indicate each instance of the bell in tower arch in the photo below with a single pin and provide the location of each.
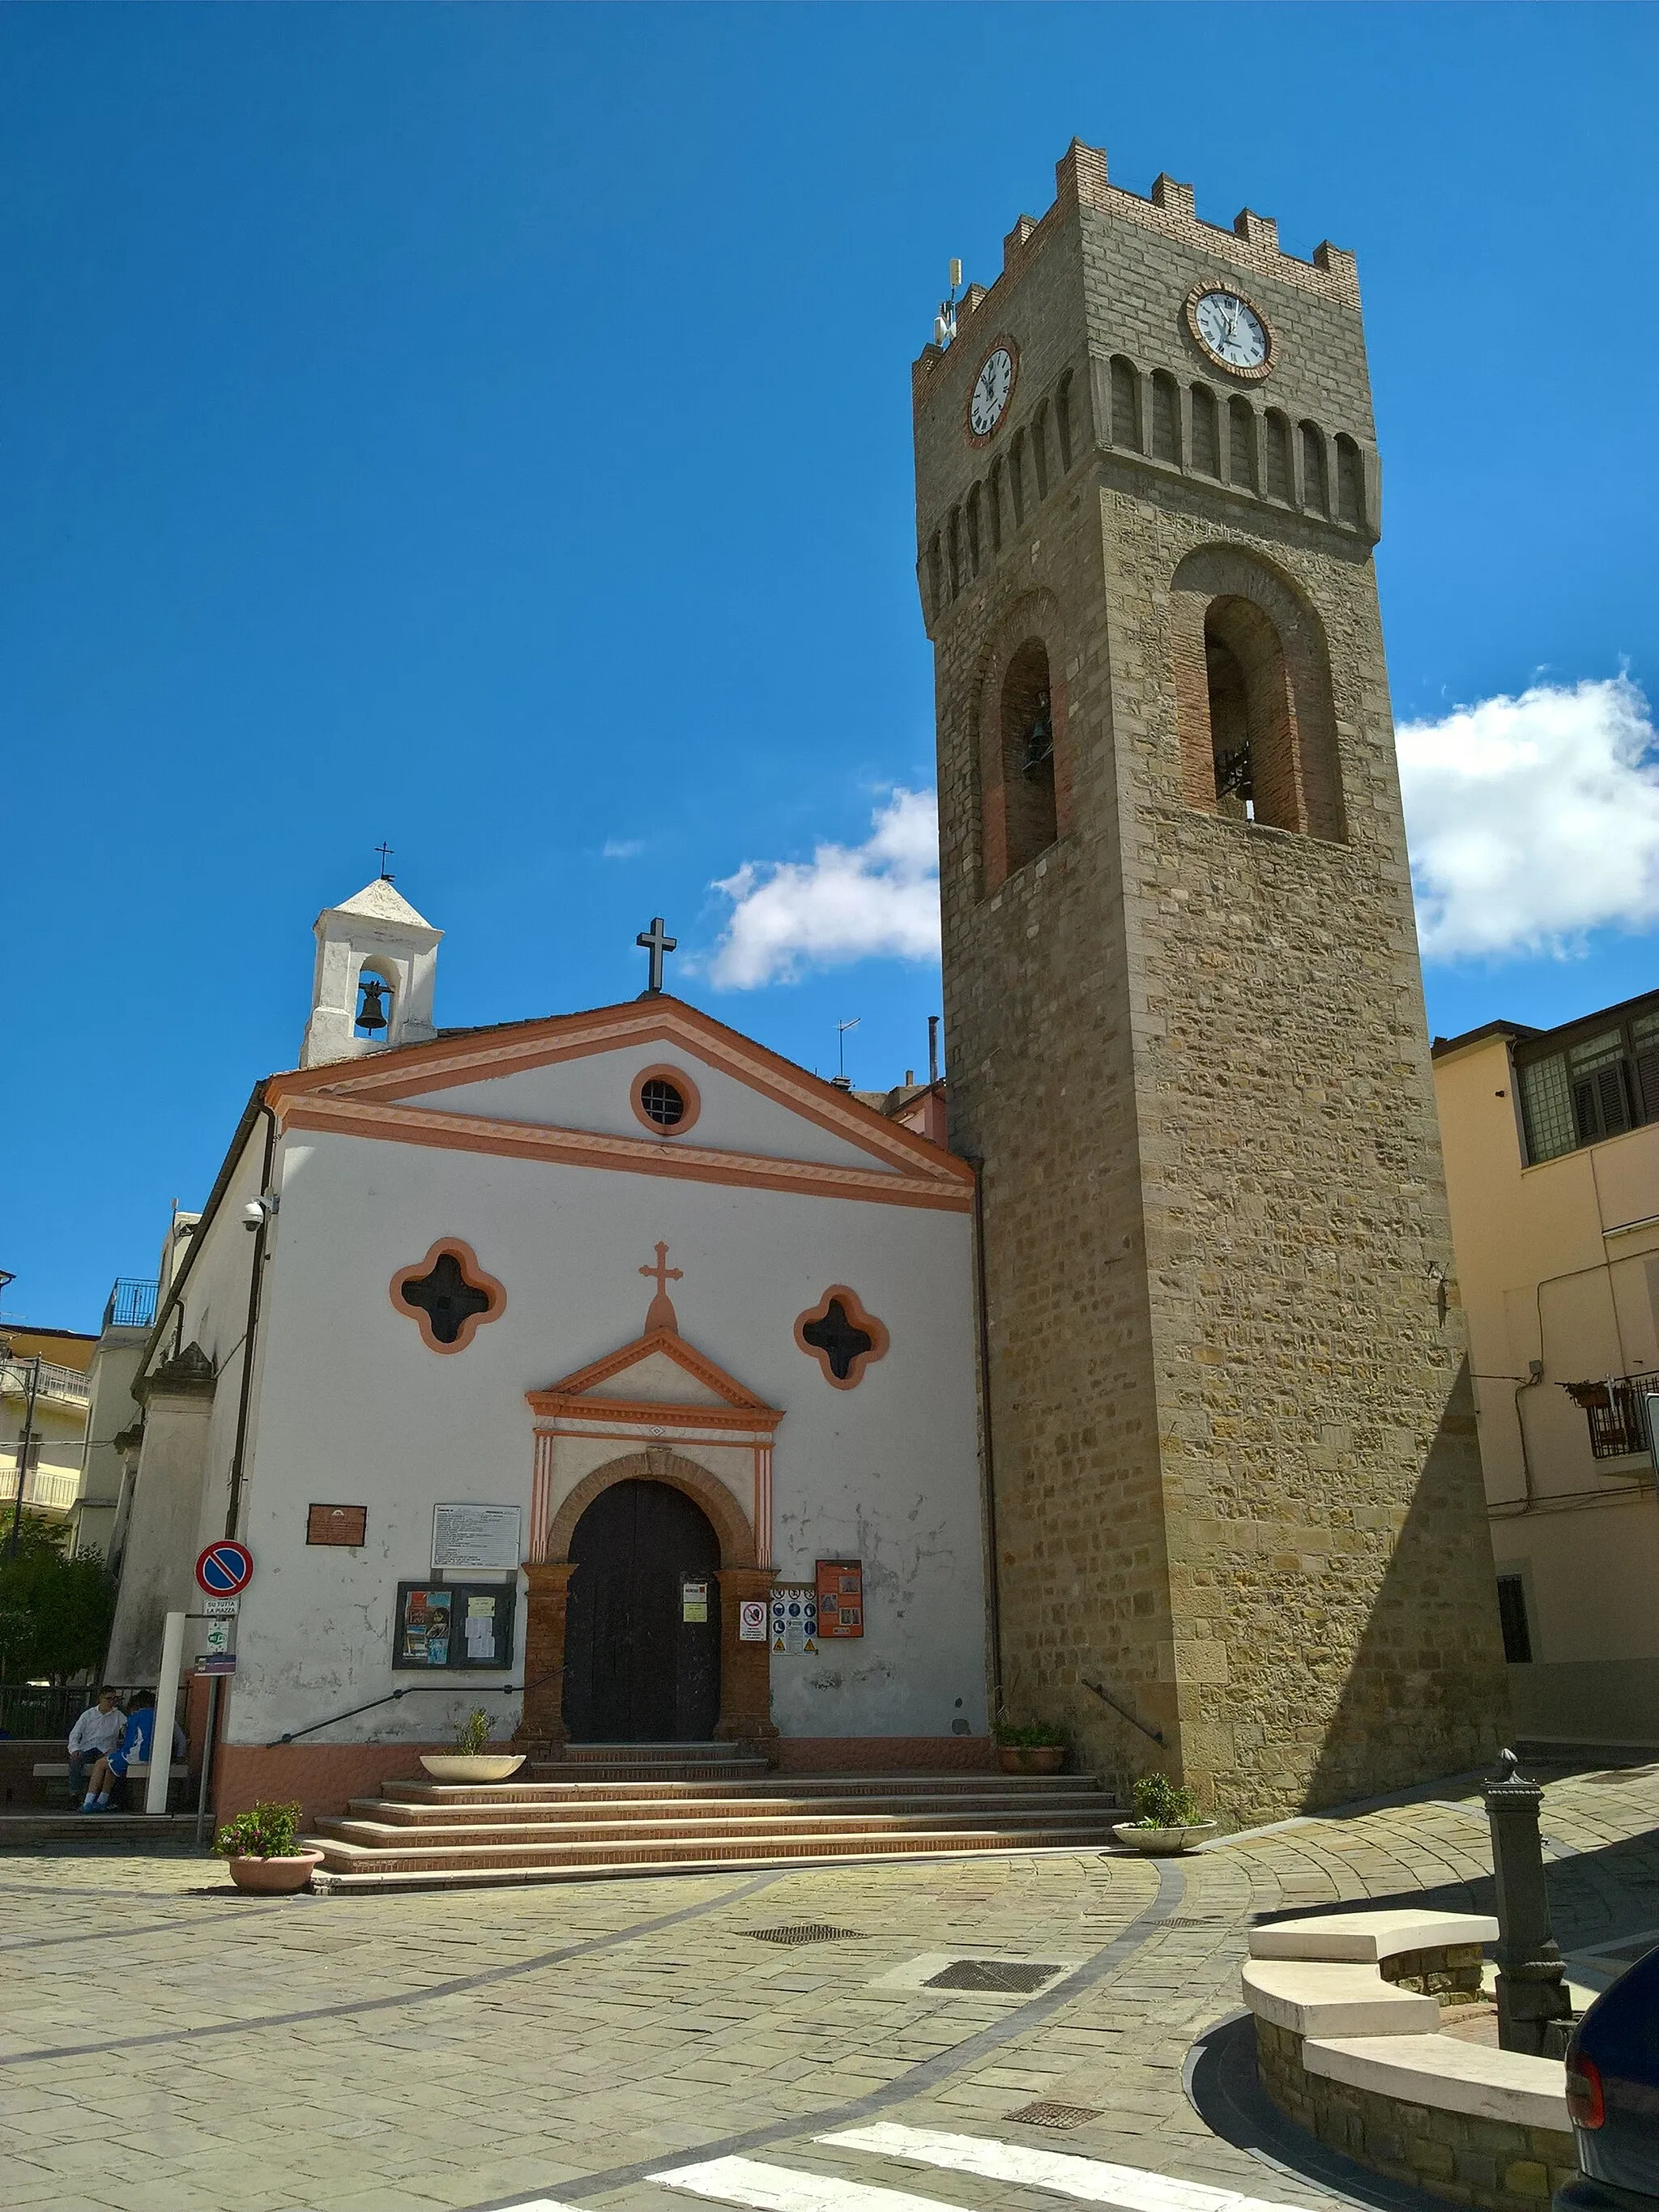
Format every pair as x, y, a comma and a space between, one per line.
371, 1014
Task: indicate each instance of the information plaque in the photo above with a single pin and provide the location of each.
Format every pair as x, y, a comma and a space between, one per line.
475, 1539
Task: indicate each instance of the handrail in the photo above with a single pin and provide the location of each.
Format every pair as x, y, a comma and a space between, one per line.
416, 1689
1157, 1734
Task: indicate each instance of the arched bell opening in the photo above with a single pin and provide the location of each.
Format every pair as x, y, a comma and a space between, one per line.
377, 990
1028, 754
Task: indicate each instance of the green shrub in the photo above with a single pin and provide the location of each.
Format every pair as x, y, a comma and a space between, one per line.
1036, 1736
1161, 1803
264, 1832
473, 1736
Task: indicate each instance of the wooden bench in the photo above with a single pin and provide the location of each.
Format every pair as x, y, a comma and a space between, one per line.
56, 1769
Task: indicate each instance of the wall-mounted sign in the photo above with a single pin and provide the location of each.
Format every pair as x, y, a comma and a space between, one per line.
694, 1601
229, 1608
752, 1620
480, 1538
217, 1638
216, 1663
336, 1524
840, 1597
795, 1617
463, 1624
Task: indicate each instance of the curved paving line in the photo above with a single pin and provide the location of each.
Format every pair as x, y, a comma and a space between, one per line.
1171, 1887
456, 1986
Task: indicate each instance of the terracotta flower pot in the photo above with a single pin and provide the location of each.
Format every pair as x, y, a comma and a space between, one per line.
1162, 1842
275, 1877
471, 1766
1031, 1758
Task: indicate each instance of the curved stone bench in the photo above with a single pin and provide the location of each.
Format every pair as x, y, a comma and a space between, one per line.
1348, 2045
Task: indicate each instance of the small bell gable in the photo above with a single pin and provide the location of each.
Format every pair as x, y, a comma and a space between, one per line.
371, 987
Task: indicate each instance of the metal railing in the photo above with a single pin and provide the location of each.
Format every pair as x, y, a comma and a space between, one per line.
54, 1382
43, 1712
56, 1488
1616, 1411
131, 1302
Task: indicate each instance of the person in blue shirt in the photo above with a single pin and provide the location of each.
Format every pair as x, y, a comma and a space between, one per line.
134, 1747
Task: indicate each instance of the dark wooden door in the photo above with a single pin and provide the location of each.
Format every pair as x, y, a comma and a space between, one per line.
636, 1670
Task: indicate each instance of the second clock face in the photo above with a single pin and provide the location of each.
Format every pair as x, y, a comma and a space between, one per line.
1230, 330
990, 393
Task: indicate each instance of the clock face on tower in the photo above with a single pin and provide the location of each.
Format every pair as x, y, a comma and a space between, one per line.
1230, 330
991, 390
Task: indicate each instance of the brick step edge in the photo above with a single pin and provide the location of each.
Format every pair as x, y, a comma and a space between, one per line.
346, 1855
524, 1811
326, 1881
404, 1837
410, 1788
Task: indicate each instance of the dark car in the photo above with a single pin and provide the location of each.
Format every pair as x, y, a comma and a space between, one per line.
1612, 2094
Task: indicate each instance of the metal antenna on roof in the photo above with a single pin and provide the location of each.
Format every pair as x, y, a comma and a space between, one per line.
842, 1028
944, 323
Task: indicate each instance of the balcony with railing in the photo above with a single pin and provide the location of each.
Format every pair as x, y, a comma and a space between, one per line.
66, 1385
1617, 1411
52, 1489
131, 1302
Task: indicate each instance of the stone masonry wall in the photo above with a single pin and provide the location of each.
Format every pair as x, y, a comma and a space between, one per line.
1236, 1479
1499, 2164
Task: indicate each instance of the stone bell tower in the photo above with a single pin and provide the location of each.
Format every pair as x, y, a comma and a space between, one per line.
1237, 1485
377, 963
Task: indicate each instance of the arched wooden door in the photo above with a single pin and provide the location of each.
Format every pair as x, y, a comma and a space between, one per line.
636, 1669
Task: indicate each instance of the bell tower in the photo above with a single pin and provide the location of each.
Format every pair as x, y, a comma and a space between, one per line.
1229, 1418
377, 962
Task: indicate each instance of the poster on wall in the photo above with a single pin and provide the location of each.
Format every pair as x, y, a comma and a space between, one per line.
463, 1624
840, 1597
478, 1539
795, 1617
752, 1620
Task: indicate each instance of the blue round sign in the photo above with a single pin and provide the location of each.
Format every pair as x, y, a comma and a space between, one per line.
225, 1568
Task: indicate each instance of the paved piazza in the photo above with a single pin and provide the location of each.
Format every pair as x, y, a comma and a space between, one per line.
166, 2045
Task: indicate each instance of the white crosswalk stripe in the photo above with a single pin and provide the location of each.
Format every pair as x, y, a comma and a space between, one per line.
1096, 2181
765, 2188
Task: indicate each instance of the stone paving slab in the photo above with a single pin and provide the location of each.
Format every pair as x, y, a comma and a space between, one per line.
168, 2044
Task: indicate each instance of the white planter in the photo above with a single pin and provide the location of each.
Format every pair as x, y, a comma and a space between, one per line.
1162, 1842
477, 1766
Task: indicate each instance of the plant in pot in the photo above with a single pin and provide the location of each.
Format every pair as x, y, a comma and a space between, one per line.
472, 1760
265, 1854
1032, 1748
1167, 1818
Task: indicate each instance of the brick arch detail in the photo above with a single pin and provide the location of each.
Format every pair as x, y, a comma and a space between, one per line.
658, 1463
1308, 774
1033, 615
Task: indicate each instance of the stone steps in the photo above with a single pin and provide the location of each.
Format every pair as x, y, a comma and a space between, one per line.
421, 1834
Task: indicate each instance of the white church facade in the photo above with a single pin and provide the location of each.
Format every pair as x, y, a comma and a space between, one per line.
607, 1371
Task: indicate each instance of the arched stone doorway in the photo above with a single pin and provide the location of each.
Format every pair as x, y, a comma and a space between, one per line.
639, 1665
743, 1668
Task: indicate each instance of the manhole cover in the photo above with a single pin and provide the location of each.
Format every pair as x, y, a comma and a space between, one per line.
808, 1932
1007, 1976
1045, 2115
1179, 1921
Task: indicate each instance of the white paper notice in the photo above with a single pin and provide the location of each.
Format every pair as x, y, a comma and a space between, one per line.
466, 1536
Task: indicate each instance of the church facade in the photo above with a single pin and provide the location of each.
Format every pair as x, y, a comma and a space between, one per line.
609, 1372
613, 1368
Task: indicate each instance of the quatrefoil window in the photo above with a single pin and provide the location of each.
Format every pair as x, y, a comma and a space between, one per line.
448, 1295
842, 1336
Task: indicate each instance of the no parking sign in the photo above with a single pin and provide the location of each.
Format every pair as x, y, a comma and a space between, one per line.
224, 1568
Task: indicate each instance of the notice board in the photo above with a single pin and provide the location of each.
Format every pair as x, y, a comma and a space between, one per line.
457, 1627
840, 1597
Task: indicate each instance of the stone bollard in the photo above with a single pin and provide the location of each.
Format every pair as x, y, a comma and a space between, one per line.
1532, 1987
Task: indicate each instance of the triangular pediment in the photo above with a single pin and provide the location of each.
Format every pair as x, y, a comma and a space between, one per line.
538, 1089
660, 1370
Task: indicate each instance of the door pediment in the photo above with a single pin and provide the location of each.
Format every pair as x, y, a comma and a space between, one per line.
658, 1379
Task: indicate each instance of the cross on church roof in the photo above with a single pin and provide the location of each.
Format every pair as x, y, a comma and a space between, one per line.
656, 944
386, 851
662, 1314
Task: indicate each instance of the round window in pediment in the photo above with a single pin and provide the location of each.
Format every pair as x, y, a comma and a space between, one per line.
665, 1100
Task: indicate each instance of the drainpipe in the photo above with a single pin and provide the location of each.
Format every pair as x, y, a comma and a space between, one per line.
255, 1279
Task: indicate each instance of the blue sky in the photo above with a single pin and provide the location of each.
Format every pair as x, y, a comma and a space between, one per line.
487, 429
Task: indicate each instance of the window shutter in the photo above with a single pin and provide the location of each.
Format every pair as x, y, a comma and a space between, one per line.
1647, 1084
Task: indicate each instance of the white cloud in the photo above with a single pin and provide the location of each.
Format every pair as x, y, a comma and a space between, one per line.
848, 902
1532, 820
622, 848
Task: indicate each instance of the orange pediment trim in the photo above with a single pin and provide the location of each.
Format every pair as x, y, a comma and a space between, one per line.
386, 1080
574, 1394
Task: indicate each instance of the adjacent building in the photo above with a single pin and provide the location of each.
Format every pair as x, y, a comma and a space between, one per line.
43, 1396
1551, 1147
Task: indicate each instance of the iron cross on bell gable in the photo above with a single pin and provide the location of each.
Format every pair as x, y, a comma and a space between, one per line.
656, 943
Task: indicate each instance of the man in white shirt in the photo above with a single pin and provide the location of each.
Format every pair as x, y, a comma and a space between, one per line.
97, 1732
